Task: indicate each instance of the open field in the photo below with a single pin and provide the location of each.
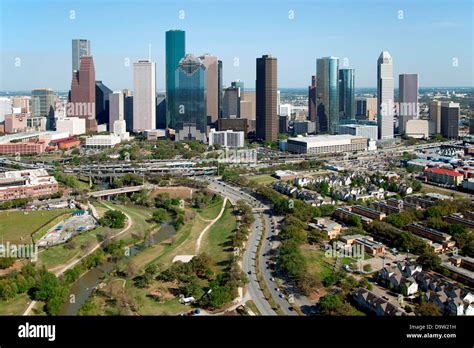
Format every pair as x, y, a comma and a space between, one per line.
319, 265
14, 306
215, 240
174, 191
263, 179
17, 226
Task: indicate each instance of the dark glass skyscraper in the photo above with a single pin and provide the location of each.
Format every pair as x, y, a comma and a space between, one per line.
327, 102
266, 98
346, 94
175, 51
312, 100
189, 98
219, 87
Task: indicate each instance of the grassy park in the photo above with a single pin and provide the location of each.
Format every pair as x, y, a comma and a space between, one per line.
17, 226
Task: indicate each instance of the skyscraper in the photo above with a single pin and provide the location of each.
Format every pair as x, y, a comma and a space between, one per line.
80, 48
117, 107
102, 104
327, 99
450, 120
144, 96
212, 86
82, 95
266, 98
346, 94
385, 96
231, 102
312, 100
190, 85
407, 99
435, 117
42, 105
219, 87
175, 51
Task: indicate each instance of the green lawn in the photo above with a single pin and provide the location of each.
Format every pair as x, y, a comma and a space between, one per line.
42, 231
211, 212
318, 263
15, 306
17, 226
263, 179
215, 240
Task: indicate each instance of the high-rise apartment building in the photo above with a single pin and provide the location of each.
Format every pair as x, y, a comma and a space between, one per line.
144, 96
190, 104
327, 99
266, 98
82, 96
42, 105
80, 48
385, 100
407, 99
347, 94
212, 86
175, 51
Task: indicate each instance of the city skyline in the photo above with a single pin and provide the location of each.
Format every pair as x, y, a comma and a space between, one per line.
115, 54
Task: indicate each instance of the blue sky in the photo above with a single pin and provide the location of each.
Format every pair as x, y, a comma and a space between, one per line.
427, 39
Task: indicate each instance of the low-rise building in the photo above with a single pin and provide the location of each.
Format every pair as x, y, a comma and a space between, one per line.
26, 183
429, 233
368, 212
331, 228
326, 144
99, 141
444, 176
368, 301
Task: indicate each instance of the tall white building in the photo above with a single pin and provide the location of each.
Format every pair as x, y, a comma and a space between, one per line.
5, 107
116, 107
385, 102
144, 96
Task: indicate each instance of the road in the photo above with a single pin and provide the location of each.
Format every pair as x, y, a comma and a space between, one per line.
248, 263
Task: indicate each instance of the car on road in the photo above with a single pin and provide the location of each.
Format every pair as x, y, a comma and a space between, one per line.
291, 309
249, 272
272, 279
277, 289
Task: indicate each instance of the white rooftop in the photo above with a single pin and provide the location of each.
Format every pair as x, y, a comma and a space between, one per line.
318, 139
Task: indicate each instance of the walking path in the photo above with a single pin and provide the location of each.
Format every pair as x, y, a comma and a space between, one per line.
198, 241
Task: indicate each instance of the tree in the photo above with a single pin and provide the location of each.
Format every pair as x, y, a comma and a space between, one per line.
160, 215
113, 219
46, 286
429, 260
428, 309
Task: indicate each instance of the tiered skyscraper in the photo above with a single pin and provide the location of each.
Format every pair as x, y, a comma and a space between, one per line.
83, 93
80, 48
266, 98
327, 101
407, 99
190, 120
385, 96
346, 94
144, 96
175, 51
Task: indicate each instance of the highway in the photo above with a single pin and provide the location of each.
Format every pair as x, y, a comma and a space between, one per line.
257, 233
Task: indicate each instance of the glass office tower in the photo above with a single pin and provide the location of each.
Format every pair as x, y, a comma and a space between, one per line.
190, 100
175, 51
327, 102
346, 94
